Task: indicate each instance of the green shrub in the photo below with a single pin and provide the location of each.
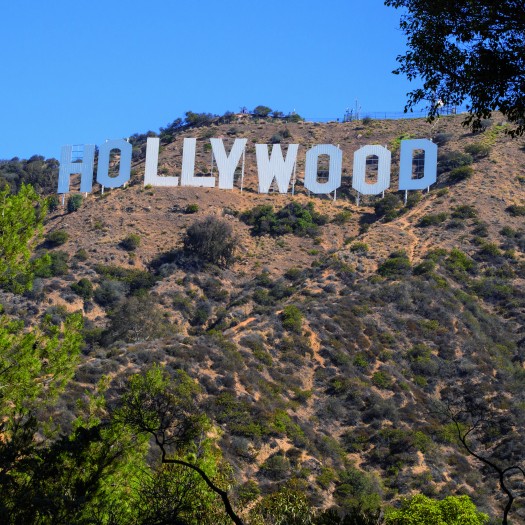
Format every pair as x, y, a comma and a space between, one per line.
74, 202
292, 318
293, 218
516, 210
397, 264
464, 211
478, 150
81, 255
131, 242
53, 202
135, 280
448, 161
83, 288
261, 111
191, 208
342, 217
432, 220
388, 206
211, 240
56, 238
57, 264
460, 174
359, 247
381, 380
459, 261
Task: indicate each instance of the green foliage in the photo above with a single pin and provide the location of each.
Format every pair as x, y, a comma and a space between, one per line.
292, 318
53, 264
74, 202
397, 265
211, 240
516, 210
191, 208
261, 111
432, 220
382, 380
359, 247
131, 242
135, 280
288, 506
478, 150
35, 364
56, 238
388, 206
459, 261
460, 174
20, 226
452, 54
464, 211
83, 288
421, 510
40, 173
136, 318
293, 218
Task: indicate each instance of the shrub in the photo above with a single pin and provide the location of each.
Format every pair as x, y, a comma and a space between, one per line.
211, 240
53, 202
81, 255
110, 292
442, 138
342, 217
130, 242
56, 265
459, 261
460, 174
56, 238
452, 160
381, 380
366, 120
396, 265
262, 111
515, 210
478, 150
359, 247
292, 318
388, 206
293, 218
432, 220
83, 288
464, 211
74, 202
191, 208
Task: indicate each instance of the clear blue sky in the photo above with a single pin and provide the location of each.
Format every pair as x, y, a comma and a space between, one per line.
83, 71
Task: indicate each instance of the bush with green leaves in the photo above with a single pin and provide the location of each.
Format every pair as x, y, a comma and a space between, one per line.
478, 150
131, 242
261, 111
422, 510
56, 238
516, 210
293, 218
451, 160
20, 226
397, 265
460, 174
83, 288
432, 220
388, 207
56, 264
292, 318
211, 240
191, 208
74, 202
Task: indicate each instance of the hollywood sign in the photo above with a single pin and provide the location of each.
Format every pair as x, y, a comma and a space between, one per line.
273, 168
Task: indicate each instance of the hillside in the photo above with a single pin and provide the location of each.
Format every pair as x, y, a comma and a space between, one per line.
323, 356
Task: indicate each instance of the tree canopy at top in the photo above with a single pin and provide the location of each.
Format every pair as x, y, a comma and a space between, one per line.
469, 51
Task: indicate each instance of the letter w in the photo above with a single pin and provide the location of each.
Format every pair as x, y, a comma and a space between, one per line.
275, 167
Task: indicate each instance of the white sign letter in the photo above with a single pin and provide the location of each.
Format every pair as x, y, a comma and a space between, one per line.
188, 177
68, 167
275, 167
227, 164
406, 182
384, 159
152, 162
103, 163
334, 171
